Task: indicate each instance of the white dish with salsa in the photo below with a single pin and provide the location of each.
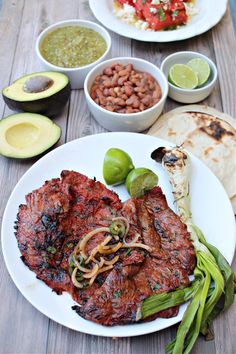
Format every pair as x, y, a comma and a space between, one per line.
206, 15
73, 47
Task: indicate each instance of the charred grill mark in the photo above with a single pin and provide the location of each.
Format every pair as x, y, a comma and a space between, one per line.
24, 260
23, 246
48, 222
159, 229
216, 131
106, 199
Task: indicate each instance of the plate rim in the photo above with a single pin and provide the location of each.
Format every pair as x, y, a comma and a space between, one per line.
128, 34
173, 320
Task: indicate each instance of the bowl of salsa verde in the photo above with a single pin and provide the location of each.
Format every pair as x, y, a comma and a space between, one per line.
73, 47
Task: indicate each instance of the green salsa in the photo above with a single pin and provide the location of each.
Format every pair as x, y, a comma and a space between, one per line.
73, 46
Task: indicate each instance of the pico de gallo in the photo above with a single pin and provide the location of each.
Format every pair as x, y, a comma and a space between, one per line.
159, 14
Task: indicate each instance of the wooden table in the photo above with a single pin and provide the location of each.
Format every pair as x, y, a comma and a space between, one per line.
23, 329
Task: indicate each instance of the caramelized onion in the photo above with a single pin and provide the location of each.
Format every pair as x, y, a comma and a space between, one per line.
112, 261
92, 273
111, 250
82, 243
138, 245
135, 239
95, 250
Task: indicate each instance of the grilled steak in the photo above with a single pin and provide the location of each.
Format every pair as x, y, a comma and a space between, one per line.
56, 217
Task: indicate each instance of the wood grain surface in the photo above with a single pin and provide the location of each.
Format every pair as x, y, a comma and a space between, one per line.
23, 329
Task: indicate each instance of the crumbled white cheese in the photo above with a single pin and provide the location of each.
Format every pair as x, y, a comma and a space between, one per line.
191, 9
142, 25
128, 9
155, 2
153, 10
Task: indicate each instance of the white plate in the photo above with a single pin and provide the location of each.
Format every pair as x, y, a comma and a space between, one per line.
209, 14
211, 210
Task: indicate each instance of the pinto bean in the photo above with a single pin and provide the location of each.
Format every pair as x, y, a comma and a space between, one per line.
129, 110
141, 95
142, 107
122, 110
119, 67
114, 80
133, 101
110, 99
129, 67
106, 92
93, 94
119, 101
124, 97
108, 71
157, 92
146, 100
112, 92
123, 72
107, 83
139, 89
120, 88
128, 90
122, 79
99, 93
136, 103
102, 101
109, 108
117, 89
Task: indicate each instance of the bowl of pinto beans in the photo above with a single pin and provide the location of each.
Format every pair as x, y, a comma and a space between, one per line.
126, 94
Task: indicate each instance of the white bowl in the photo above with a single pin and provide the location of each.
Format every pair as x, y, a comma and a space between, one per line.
76, 75
133, 122
184, 95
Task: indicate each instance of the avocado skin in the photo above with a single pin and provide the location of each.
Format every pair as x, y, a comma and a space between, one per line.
33, 158
49, 106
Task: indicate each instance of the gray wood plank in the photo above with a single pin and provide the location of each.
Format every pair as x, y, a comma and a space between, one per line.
27, 339
225, 52
8, 34
38, 334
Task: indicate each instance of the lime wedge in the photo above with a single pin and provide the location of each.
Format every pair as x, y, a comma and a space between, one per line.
140, 180
201, 68
183, 76
116, 166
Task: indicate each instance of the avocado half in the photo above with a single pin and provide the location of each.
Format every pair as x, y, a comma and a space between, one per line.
42, 92
26, 135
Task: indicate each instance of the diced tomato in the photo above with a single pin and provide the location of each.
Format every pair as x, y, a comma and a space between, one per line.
175, 5
129, 2
163, 15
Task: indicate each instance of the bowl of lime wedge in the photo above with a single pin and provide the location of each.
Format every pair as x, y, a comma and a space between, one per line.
191, 76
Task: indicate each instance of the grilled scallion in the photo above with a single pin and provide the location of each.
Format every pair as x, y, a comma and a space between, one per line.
212, 290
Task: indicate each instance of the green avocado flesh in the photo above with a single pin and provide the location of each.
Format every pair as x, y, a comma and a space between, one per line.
26, 135
42, 92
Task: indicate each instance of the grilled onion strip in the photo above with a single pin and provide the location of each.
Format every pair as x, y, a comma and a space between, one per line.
101, 265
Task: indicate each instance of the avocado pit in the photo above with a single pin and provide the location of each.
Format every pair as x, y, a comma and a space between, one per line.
37, 84
44, 92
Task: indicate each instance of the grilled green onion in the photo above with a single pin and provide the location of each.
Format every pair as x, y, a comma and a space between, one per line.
212, 268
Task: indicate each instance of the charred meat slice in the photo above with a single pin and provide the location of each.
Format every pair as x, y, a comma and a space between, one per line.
57, 215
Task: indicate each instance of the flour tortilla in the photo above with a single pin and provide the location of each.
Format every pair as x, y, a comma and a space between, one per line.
208, 134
